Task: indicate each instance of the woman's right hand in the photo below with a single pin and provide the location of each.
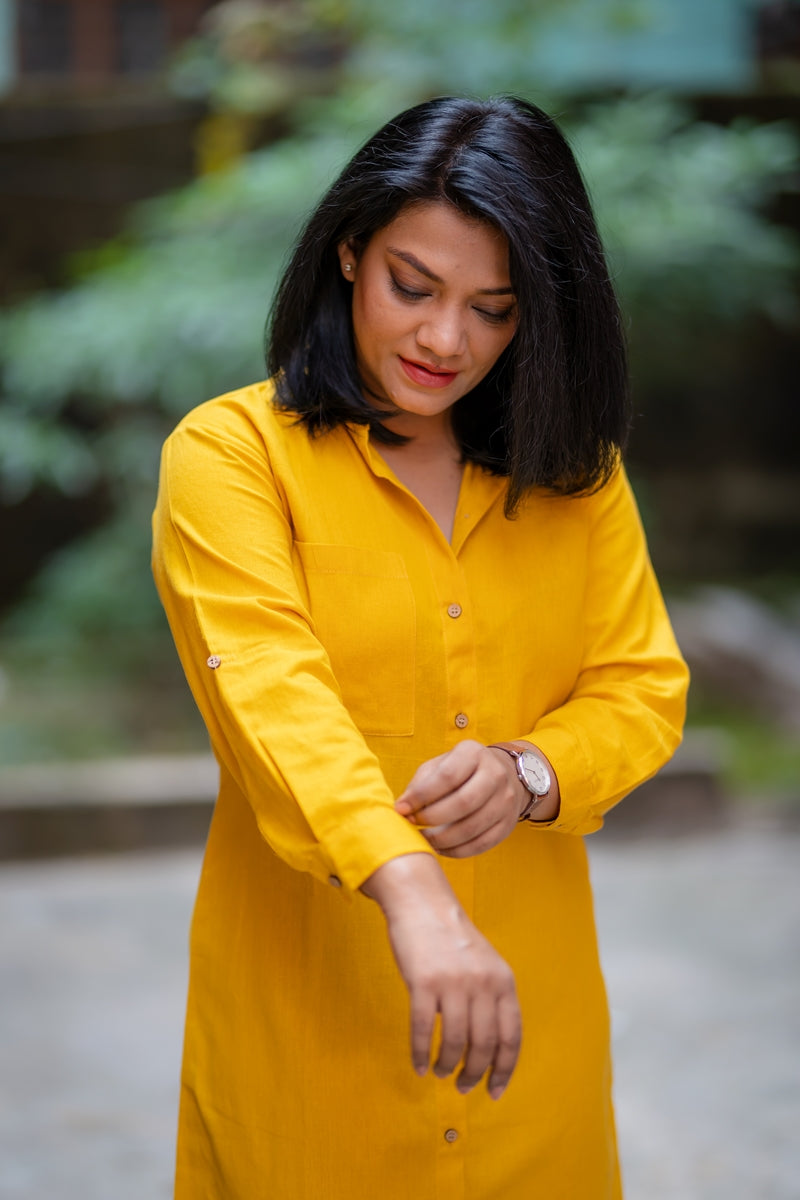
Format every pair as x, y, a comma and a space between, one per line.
449, 968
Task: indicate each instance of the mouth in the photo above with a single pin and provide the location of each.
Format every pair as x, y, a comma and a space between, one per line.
430, 377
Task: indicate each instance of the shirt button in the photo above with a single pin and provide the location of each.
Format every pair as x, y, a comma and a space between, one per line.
454, 610
462, 720
334, 881
213, 661
451, 1135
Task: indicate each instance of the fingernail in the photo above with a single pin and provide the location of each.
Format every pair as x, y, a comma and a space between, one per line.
403, 807
496, 1092
464, 1088
421, 1069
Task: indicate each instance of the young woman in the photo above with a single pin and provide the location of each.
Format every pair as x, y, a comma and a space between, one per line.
410, 591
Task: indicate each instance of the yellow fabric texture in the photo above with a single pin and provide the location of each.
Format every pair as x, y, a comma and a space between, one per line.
312, 600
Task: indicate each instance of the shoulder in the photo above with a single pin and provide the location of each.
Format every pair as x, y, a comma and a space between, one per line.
248, 413
243, 438
240, 429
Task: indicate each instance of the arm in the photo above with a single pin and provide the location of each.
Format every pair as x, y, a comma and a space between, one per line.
223, 566
624, 716
620, 723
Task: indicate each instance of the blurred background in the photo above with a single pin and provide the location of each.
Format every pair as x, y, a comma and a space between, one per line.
157, 158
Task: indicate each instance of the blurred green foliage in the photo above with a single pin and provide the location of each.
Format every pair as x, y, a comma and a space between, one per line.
172, 312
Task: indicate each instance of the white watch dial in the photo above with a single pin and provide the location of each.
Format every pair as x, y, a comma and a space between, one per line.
536, 773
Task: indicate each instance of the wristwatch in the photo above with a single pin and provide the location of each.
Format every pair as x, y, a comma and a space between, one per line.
533, 774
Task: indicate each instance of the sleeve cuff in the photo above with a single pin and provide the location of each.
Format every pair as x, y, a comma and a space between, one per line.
368, 839
576, 777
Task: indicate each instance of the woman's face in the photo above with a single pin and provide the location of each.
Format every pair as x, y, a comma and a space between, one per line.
433, 307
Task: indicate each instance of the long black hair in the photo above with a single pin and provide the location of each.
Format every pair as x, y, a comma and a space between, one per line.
553, 411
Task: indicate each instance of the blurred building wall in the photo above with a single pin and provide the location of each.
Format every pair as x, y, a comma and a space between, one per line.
87, 125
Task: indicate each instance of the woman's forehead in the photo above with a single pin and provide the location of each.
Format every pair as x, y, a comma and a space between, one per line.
439, 230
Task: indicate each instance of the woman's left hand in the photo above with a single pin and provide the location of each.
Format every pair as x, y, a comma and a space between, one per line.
465, 801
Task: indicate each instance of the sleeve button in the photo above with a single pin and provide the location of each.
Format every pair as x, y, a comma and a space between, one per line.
213, 661
451, 1135
462, 720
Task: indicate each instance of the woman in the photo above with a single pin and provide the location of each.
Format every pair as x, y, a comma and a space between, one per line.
411, 594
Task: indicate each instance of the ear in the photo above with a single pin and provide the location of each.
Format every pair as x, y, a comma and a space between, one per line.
347, 260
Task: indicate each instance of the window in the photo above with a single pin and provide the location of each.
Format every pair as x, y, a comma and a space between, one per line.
141, 36
45, 37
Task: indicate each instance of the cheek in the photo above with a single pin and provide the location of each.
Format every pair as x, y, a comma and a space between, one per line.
375, 322
494, 345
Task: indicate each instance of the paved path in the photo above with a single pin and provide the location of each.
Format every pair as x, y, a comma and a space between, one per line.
701, 941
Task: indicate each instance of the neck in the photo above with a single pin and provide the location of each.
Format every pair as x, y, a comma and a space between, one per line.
429, 465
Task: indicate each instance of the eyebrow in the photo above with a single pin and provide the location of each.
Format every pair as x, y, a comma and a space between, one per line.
429, 274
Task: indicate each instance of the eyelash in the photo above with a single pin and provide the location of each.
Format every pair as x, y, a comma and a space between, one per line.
494, 318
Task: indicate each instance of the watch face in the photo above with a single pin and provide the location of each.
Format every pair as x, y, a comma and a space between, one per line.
535, 772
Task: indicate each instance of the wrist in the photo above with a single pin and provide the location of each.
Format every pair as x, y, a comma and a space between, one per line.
521, 794
408, 883
542, 794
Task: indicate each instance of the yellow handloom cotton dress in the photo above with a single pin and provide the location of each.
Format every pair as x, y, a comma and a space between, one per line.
334, 640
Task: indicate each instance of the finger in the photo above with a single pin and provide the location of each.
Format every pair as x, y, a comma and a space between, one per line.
476, 795
423, 1018
454, 1012
432, 782
421, 786
479, 845
483, 1042
454, 833
508, 1044
439, 776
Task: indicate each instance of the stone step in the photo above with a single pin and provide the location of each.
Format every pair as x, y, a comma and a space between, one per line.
166, 800
109, 804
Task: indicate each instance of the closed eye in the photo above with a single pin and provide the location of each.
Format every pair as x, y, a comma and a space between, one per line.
405, 292
495, 317
492, 315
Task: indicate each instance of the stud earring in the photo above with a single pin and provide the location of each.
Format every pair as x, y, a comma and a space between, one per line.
348, 266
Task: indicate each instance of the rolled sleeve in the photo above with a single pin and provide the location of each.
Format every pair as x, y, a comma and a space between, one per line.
262, 680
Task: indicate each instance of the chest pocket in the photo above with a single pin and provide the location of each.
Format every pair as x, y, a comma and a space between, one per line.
362, 605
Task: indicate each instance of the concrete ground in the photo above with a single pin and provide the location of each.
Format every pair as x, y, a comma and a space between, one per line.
701, 943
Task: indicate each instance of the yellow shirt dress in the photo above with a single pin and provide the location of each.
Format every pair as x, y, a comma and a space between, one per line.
333, 640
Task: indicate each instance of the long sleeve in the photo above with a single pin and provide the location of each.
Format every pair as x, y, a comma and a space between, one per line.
624, 716
224, 567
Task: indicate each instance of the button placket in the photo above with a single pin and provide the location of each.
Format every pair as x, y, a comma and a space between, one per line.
458, 637
450, 1133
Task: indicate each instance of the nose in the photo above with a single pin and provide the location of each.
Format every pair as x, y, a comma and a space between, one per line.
443, 332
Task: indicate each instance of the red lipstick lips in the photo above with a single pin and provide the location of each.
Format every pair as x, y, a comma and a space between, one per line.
427, 376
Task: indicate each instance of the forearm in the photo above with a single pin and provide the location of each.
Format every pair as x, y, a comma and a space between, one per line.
409, 883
